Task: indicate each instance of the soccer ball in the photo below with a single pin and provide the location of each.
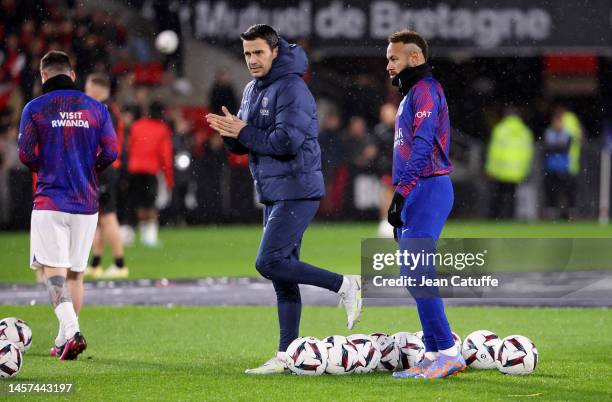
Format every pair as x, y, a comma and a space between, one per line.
457, 340
167, 42
516, 355
17, 331
411, 349
307, 356
389, 352
342, 355
10, 359
368, 352
479, 349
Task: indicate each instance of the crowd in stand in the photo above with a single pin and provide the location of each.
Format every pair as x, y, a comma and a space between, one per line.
202, 182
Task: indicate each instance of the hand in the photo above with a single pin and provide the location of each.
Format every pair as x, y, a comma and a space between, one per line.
228, 125
394, 215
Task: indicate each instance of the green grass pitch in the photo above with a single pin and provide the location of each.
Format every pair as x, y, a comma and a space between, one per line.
231, 250
197, 353
181, 353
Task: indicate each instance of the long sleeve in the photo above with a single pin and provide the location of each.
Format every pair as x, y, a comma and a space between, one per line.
425, 108
28, 139
108, 144
292, 121
232, 145
167, 159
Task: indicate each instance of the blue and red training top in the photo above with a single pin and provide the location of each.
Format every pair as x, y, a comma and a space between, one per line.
66, 137
422, 135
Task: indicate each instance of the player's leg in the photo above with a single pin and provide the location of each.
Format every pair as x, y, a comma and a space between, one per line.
385, 230
289, 311
147, 214
424, 216
74, 280
50, 247
112, 235
95, 267
82, 232
61, 299
284, 230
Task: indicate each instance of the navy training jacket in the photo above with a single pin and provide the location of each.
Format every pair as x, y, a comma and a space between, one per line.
281, 132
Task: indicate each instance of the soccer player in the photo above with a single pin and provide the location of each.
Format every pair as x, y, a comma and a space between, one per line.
149, 152
98, 86
423, 195
277, 126
65, 137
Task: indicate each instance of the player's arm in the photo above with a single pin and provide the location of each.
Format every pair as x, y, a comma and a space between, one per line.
28, 138
292, 123
108, 143
232, 144
424, 128
167, 154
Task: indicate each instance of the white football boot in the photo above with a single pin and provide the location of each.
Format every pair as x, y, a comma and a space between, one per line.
351, 299
276, 365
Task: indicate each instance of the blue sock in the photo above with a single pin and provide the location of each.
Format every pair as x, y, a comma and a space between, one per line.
428, 336
433, 317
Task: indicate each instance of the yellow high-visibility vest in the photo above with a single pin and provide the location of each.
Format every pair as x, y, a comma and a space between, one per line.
572, 125
510, 153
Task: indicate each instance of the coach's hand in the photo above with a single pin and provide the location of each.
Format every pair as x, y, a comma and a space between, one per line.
394, 215
228, 125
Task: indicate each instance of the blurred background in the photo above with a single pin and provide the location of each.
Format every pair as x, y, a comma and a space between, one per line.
528, 85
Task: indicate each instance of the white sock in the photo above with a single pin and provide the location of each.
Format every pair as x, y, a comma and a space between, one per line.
154, 228
431, 355
452, 351
346, 285
60, 340
142, 229
67, 318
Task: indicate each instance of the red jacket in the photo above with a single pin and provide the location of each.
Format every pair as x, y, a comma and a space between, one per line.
150, 149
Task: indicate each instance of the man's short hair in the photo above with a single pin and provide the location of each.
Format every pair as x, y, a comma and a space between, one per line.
407, 37
56, 60
100, 79
261, 31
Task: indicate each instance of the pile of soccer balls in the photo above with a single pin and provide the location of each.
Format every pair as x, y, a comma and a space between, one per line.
361, 353
15, 340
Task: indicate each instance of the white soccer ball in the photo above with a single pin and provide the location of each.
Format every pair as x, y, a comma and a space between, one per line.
457, 340
17, 331
342, 355
307, 356
516, 355
478, 349
10, 359
368, 352
411, 348
167, 42
389, 352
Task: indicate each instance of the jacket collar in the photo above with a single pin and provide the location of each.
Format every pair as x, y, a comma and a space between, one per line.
410, 76
291, 59
58, 82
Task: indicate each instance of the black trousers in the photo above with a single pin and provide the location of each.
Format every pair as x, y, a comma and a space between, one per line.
502, 200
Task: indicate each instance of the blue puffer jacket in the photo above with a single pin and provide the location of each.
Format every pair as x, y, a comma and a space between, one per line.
281, 132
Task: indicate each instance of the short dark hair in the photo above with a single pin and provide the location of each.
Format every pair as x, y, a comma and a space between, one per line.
406, 37
261, 31
156, 110
56, 60
100, 79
